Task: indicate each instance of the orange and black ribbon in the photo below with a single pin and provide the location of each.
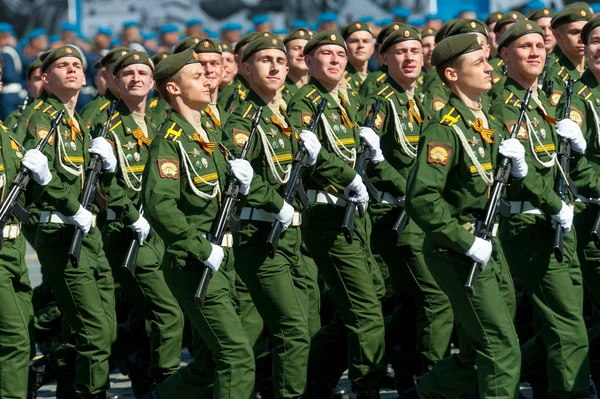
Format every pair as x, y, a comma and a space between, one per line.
212, 116
74, 130
486, 134
346, 119
413, 112
208, 147
138, 134
285, 130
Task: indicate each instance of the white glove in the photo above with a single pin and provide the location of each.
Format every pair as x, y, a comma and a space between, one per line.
103, 148
514, 150
37, 163
372, 140
83, 219
356, 191
571, 131
243, 171
216, 257
142, 228
285, 215
564, 217
480, 251
312, 145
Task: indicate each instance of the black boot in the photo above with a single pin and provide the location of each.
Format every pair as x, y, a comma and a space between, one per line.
41, 372
368, 394
340, 393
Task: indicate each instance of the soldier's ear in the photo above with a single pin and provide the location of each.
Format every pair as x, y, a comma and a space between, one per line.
172, 88
308, 60
450, 74
246, 69
385, 58
504, 55
45, 78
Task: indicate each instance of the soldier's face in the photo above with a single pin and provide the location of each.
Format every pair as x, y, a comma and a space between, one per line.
295, 54
230, 68
191, 86
35, 84
327, 63
65, 75
549, 39
100, 81
213, 68
592, 51
428, 46
110, 79
360, 46
472, 73
135, 81
266, 70
568, 37
525, 57
404, 61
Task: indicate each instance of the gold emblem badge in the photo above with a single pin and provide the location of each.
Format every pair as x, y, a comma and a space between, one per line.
332, 38
514, 16
583, 13
473, 25
123, 52
396, 27
136, 57
301, 33
162, 57
576, 116
357, 25
196, 40
168, 168
68, 50
438, 104
528, 27
205, 44
406, 33
438, 153
546, 12
274, 41
195, 55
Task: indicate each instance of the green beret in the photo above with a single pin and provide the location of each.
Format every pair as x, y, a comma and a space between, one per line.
263, 43
493, 17
208, 46
133, 57
406, 32
301, 33
186, 44
425, 32
386, 31
443, 32
518, 29
453, 47
542, 13
161, 55
34, 65
245, 40
226, 47
60, 52
173, 64
509, 17
588, 28
324, 38
468, 26
352, 27
113, 55
571, 13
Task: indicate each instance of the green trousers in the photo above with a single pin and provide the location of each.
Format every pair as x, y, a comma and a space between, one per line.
226, 360
488, 346
16, 315
556, 292
275, 286
86, 298
349, 271
411, 278
149, 294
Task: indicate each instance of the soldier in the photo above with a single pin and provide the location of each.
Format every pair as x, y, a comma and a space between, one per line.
560, 347
35, 89
101, 102
399, 124
428, 44
85, 293
191, 197
298, 71
567, 25
446, 192
11, 73
543, 17
348, 269
131, 134
229, 65
359, 40
493, 39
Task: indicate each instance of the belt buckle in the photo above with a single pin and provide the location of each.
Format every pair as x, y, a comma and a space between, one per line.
297, 219
495, 229
227, 240
13, 231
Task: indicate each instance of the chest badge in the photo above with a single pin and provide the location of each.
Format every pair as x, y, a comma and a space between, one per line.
130, 145
481, 152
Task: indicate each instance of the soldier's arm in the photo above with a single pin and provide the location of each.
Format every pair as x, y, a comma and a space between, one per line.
160, 194
425, 203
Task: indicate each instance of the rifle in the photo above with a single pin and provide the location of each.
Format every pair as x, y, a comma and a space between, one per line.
362, 162
596, 227
400, 223
21, 109
564, 155
218, 231
294, 186
548, 87
232, 100
542, 78
134, 246
11, 204
493, 205
94, 170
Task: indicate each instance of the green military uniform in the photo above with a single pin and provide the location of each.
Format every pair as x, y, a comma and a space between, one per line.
146, 290
373, 82
85, 294
213, 119
289, 87
225, 97
15, 288
354, 80
399, 123
156, 106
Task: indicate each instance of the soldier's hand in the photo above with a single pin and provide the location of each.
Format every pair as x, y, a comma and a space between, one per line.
513, 149
102, 148
356, 191
37, 163
285, 215
141, 228
571, 131
216, 257
480, 251
372, 140
564, 217
243, 171
83, 219
312, 145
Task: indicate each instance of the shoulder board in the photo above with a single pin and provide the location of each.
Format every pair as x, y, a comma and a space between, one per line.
38, 105
103, 106
250, 112
50, 110
386, 92
173, 132
585, 92
153, 103
512, 100
450, 118
563, 74
3, 127
500, 63
313, 96
383, 76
